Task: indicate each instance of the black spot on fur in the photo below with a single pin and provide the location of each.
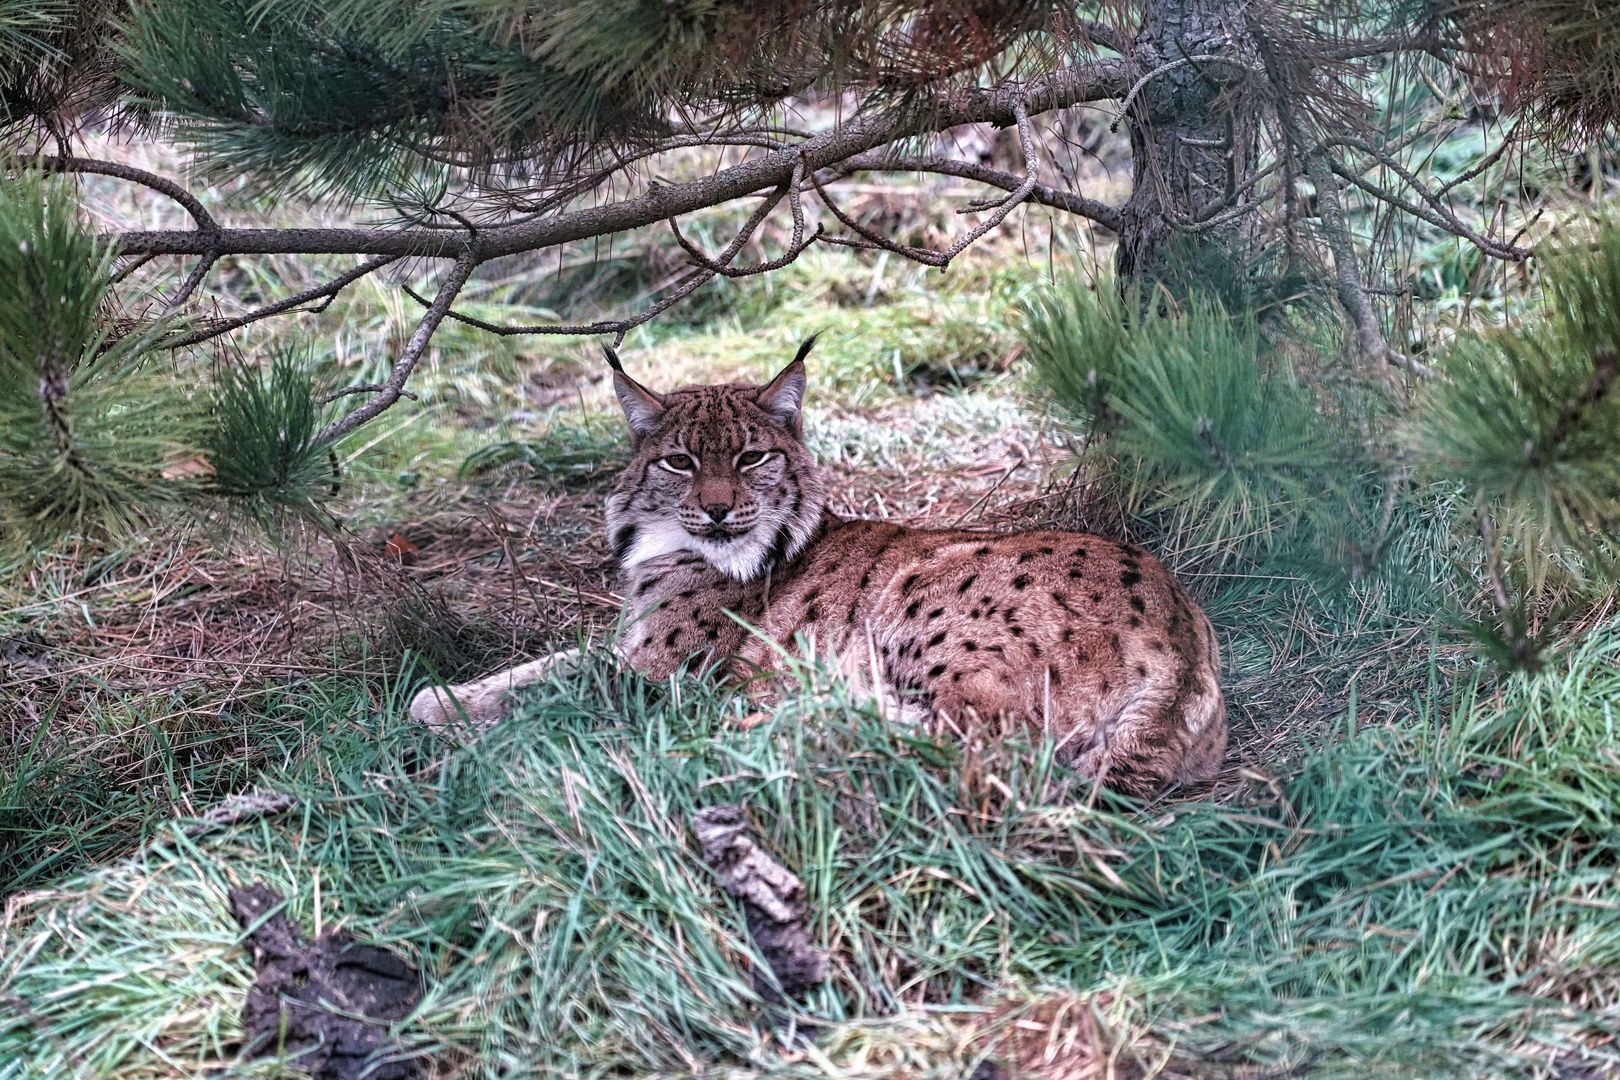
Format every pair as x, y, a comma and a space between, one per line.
1158, 646
687, 594
1136, 602
622, 540
971, 646
966, 584
911, 609
1026, 557
1079, 553
713, 633
669, 639
907, 585
1018, 631
983, 551
936, 639
812, 613
1096, 598
936, 671
1035, 650
1046, 551
1021, 581
1135, 621
956, 677
641, 590
1141, 670
866, 579
1075, 574
1057, 679
1129, 578
936, 613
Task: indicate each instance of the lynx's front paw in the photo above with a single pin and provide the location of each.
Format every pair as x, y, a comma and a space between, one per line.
481, 703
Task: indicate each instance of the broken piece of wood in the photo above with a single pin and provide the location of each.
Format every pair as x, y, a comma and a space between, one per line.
773, 903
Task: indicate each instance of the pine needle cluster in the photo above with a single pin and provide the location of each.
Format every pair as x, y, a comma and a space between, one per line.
356, 96
87, 427
1200, 420
1201, 417
99, 437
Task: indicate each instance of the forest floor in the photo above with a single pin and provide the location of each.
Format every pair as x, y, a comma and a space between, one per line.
1407, 867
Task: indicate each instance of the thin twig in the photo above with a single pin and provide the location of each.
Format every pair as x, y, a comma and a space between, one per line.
329, 291
1103, 214
394, 387
795, 248
360, 388
605, 326
942, 259
1201, 58
205, 221
1441, 216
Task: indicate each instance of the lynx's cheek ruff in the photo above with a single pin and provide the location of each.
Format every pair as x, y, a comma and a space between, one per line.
720, 517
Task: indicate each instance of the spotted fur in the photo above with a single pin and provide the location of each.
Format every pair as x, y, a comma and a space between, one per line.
719, 521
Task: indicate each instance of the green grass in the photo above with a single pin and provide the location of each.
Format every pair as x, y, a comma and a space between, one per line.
1433, 897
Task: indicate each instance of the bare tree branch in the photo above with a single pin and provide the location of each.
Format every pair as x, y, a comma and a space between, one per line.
189, 286
361, 388
1103, 214
394, 387
205, 221
618, 327
1093, 81
1346, 271
328, 291
1440, 216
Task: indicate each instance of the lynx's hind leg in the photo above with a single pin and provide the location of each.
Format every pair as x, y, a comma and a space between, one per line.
484, 701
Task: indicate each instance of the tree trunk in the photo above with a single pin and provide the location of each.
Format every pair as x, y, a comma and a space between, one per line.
1194, 133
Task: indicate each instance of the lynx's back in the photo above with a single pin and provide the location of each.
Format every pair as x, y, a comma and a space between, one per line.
728, 557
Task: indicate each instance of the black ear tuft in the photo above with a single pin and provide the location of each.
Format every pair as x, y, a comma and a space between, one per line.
804, 349
613, 357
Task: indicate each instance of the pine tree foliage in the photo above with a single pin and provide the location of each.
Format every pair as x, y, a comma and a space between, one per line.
86, 427
262, 446
355, 95
100, 437
1206, 420
1201, 419
1556, 60
1528, 420
57, 66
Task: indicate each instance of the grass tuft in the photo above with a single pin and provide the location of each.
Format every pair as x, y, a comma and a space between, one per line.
1408, 899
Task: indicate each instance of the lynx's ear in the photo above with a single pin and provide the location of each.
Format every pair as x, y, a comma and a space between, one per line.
784, 397
642, 407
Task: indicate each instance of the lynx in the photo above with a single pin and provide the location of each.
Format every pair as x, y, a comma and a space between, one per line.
728, 556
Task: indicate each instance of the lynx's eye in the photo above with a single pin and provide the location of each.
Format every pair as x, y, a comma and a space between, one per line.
750, 458
678, 463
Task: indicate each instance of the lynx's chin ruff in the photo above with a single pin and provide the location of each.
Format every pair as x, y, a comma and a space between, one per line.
719, 521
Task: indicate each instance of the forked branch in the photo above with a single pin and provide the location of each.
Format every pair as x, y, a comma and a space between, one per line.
394, 387
999, 209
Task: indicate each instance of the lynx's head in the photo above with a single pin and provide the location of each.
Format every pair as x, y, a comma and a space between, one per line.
717, 470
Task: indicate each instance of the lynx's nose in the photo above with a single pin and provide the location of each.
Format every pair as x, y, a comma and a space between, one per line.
717, 511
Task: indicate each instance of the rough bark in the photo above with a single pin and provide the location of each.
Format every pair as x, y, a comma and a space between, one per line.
1192, 138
